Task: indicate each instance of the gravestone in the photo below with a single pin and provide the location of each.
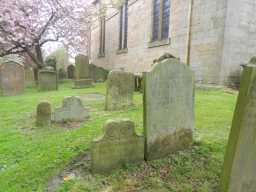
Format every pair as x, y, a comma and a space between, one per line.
43, 114
83, 79
138, 83
120, 88
72, 110
47, 80
119, 145
71, 71
29, 76
12, 78
239, 170
168, 108
98, 74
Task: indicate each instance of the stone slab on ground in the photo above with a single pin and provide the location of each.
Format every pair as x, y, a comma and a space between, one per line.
119, 145
168, 108
83, 83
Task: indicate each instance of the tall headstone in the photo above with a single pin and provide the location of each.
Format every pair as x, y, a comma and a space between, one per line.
72, 110
43, 114
118, 146
47, 80
71, 71
120, 88
12, 78
83, 79
239, 170
168, 108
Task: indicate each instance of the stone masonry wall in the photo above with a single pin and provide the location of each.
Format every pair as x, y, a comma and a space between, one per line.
239, 39
206, 46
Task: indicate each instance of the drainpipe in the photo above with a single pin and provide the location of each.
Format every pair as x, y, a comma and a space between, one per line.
188, 44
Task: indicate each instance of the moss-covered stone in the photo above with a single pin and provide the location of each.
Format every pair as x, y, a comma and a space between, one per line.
43, 114
120, 88
82, 69
119, 145
47, 80
239, 170
168, 108
98, 74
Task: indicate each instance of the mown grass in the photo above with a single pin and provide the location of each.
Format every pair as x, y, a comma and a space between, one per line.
30, 156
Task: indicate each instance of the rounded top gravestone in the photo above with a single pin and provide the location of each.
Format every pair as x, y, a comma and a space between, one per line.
43, 114
168, 107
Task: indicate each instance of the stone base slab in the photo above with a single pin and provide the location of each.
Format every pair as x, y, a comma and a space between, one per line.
83, 83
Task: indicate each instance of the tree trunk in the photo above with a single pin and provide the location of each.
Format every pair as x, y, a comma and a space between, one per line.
39, 55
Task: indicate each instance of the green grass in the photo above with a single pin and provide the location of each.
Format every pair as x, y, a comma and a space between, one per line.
30, 156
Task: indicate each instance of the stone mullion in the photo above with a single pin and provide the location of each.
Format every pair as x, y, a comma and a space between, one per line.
160, 34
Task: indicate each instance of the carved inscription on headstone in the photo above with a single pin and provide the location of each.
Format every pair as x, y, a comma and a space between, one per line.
168, 108
239, 171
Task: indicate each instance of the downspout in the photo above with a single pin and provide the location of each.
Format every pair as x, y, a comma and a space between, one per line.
188, 44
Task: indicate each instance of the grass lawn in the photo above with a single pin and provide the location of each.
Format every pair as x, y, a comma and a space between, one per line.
30, 156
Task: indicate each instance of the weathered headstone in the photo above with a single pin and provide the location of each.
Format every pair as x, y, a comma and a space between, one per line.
120, 88
43, 114
12, 78
138, 82
118, 146
168, 108
98, 74
239, 170
83, 79
71, 71
47, 80
72, 110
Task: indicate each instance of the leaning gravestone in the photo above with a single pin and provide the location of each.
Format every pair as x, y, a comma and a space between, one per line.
83, 79
47, 80
43, 114
72, 110
239, 171
120, 88
12, 78
118, 146
168, 108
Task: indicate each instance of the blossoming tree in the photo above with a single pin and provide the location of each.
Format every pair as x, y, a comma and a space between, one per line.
27, 25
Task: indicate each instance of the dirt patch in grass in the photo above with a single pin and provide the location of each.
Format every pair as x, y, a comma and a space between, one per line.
77, 168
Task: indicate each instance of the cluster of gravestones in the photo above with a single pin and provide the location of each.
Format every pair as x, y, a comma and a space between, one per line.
72, 110
168, 91
83, 73
14, 76
169, 120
